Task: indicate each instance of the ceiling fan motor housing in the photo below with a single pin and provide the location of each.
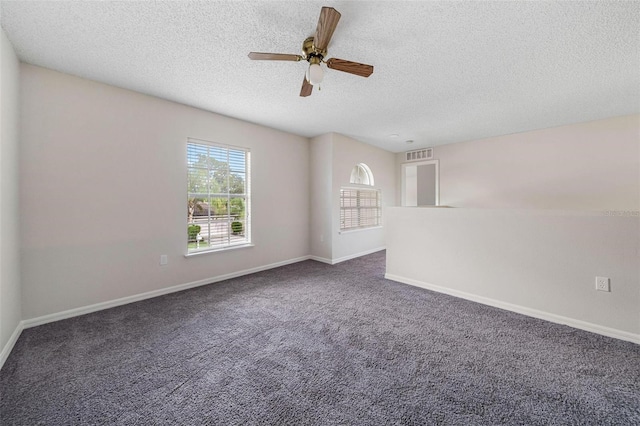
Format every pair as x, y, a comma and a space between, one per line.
309, 51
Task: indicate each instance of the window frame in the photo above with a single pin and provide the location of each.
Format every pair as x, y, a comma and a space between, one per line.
229, 244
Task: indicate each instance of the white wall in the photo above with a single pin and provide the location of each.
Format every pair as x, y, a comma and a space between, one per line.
10, 314
347, 153
587, 166
103, 180
538, 262
320, 194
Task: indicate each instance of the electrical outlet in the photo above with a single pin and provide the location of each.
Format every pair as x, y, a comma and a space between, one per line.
163, 259
602, 284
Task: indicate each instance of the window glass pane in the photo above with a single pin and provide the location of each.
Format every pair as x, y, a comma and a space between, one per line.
237, 183
237, 162
219, 175
361, 175
218, 206
197, 182
237, 207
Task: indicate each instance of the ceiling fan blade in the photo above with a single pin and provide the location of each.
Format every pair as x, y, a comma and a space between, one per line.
327, 23
363, 70
257, 56
306, 87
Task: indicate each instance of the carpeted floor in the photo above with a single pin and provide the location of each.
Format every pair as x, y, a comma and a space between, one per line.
316, 344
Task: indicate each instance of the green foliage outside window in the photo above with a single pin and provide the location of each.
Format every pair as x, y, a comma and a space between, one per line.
193, 231
236, 227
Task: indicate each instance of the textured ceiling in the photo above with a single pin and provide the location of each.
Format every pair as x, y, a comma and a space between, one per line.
444, 71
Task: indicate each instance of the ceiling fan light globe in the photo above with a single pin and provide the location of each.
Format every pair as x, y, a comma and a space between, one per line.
315, 74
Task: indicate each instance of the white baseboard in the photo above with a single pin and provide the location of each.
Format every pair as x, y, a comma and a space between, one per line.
345, 258
558, 319
33, 322
321, 259
353, 256
11, 343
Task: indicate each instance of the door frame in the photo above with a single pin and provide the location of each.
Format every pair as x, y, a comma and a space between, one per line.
403, 179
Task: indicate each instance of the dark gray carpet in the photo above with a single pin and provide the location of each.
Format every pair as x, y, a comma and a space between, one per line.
316, 344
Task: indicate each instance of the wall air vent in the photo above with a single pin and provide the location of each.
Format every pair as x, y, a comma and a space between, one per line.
420, 154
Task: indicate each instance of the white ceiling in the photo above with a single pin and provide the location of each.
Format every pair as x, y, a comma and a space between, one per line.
444, 71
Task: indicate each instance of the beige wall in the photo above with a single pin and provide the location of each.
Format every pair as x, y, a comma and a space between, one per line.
10, 314
587, 166
103, 193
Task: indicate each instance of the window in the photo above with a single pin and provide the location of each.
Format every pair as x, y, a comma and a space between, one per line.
360, 208
361, 175
218, 200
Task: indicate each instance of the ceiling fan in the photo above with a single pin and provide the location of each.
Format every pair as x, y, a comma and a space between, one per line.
314, 50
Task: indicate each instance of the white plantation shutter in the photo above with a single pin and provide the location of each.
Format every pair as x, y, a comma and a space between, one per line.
360, 208
218, 196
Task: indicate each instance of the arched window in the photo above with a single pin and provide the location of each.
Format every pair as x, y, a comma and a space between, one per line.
361, 175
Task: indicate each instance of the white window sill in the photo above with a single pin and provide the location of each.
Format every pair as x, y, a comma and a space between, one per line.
218, 250
349, 231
